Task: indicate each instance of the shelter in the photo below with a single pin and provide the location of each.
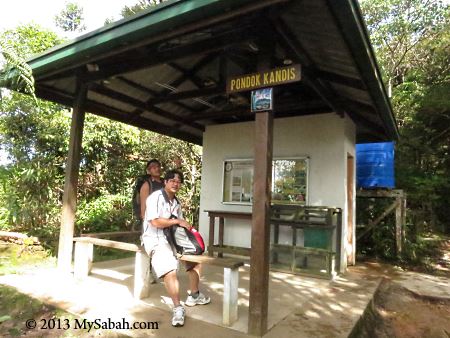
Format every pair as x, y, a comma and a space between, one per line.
165, 70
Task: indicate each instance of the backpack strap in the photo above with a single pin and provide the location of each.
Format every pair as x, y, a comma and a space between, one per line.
166, 197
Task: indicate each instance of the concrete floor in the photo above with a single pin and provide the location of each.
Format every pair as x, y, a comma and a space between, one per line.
298, 306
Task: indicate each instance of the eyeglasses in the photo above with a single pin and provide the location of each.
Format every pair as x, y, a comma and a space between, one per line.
174, 181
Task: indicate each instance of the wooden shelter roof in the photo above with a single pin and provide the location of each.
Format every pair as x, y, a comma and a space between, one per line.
165, 69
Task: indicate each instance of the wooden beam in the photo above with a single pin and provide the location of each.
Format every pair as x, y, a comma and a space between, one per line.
155, 57
372, 224
71, 179
340, 79
190, 74
153, 93
119, 115
378, 193
109, 243
112, 234
259, 256
291, 45
142, 106
280, 109
188, 94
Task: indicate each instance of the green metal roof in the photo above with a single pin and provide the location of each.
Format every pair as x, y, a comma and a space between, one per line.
134, 31
164, 68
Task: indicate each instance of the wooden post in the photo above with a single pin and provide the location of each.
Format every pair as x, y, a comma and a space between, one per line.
398, 225
221, 230
259, 257
212, 221
339, 249
403, 216
71, 181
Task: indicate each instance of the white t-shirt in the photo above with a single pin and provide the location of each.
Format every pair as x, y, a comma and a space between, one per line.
157, 207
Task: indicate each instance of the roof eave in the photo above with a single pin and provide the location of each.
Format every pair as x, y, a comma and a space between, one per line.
358, 41
161, 22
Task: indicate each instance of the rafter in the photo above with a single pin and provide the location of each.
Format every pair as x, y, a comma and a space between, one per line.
117, 115
155, 57
292, 46
142, 106
154, 93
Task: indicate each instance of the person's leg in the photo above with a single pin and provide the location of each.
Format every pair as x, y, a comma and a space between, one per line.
195, 297
172, 286
194, 277
165, 265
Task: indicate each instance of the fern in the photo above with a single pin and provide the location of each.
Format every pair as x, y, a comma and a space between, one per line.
16, 74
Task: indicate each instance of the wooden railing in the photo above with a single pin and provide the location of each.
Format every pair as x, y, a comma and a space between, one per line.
319, 225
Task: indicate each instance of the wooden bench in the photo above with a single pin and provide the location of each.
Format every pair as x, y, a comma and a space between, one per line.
84, 249
230, 283
84, 252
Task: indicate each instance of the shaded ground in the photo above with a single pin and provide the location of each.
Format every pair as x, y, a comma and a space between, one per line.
397, 312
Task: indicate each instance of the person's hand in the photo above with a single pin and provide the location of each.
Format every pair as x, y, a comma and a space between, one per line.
185, 224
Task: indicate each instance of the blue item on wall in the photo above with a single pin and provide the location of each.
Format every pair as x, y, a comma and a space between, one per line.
375, 165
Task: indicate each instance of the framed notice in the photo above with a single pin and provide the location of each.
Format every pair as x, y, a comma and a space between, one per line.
262, 99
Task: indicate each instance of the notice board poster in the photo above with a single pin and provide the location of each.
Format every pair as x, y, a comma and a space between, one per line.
262, 99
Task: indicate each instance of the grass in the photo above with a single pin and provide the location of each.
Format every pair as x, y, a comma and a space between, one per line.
16, 258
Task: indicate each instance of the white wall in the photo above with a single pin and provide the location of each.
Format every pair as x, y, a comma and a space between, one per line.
325, 139
350, 140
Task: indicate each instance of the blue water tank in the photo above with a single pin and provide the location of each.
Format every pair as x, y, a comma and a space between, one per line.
375, 165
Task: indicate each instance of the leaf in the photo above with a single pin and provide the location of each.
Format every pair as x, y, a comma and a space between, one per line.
4, 318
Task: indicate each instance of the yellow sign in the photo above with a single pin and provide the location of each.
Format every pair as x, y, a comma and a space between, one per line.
269, 78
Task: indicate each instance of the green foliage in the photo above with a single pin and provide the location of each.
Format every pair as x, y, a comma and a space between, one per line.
411, 41
105, 213
380, 242
30, 39
397, 28
70, 19
139, 7
16, 73
113, 155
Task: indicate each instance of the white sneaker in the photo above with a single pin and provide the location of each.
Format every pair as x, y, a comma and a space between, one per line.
178, 316
200, 300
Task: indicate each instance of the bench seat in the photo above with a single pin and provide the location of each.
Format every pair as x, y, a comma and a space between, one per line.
230, 283
84, 249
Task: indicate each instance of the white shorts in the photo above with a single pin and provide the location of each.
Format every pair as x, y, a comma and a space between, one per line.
163, 260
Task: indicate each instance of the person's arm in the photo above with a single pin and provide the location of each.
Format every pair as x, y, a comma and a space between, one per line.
166, 222
155, 218
143, 194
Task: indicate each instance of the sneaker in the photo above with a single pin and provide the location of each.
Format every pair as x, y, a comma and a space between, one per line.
178, 316
200, 300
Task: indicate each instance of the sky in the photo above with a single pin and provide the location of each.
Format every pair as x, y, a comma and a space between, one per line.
16, 12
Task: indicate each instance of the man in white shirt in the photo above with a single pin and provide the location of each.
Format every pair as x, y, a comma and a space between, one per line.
162, 212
